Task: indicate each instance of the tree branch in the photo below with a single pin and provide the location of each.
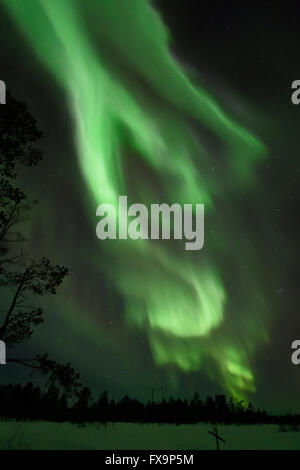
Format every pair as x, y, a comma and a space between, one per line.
13, 304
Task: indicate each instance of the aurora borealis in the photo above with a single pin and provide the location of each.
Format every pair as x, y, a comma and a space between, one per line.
138, 121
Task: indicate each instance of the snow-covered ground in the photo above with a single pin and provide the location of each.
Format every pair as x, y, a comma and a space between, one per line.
121, 436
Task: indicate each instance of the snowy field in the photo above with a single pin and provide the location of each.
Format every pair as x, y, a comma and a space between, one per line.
121, 436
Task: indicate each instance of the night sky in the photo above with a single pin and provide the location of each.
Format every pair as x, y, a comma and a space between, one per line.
165, 101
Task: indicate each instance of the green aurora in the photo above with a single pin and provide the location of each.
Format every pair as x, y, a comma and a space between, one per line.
144, 128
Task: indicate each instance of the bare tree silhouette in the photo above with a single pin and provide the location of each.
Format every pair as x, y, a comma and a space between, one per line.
21, 277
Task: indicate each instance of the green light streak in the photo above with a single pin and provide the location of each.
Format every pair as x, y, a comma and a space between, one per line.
179, 299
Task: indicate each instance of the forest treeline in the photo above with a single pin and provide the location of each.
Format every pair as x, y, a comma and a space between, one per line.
27, 402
